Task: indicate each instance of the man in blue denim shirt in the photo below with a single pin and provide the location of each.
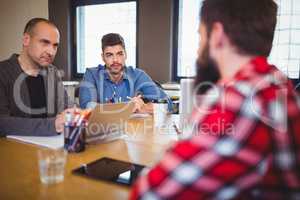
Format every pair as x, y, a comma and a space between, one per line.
116, 82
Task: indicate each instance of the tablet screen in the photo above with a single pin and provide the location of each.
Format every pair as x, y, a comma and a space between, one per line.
111, 170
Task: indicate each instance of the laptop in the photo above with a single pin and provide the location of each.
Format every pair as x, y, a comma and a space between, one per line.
108, 121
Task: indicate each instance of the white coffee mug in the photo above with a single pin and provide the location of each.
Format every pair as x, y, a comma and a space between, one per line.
160, 111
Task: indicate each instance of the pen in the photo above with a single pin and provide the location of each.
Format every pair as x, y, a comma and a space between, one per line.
68, 121
83, 116
76, 118
176, 128
130, 98
68, 118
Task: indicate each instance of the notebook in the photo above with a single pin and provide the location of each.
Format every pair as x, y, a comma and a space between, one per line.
107, 122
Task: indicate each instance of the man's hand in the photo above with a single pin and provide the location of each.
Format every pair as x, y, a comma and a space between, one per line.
59, 123
60, 118
147, 108
138, 103
140, 106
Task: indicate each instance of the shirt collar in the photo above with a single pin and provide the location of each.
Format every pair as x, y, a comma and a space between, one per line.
14, 60
107, 77
258, 65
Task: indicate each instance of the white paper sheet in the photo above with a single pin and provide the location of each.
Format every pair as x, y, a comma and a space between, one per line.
139, 115
53, 142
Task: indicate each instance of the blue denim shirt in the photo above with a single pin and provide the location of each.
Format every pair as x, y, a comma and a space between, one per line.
96, 86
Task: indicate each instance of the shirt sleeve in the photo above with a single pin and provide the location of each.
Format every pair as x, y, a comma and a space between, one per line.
147, 87
4, 104
27, 126
87, 90
151, 90
227, 154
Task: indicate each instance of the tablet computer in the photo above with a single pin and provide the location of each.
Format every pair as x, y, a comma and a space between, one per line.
111, 170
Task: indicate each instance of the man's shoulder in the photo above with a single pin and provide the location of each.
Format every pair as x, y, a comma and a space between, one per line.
6, 63
134, 71
255, 86
94, 70
9, 64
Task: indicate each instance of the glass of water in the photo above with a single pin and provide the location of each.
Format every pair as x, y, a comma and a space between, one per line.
52, 165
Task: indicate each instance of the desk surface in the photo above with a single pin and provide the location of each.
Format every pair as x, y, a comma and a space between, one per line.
19, 176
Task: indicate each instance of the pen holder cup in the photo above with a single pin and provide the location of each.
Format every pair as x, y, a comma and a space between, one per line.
74, 138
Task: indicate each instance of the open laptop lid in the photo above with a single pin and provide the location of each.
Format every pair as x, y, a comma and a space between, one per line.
107, 121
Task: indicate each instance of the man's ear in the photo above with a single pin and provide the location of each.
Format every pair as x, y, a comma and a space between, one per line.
217, 36
102, 56
26, 39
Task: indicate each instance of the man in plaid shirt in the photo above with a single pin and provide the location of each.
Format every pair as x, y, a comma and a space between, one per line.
247, 139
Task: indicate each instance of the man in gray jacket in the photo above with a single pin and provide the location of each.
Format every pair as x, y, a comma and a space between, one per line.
32, 96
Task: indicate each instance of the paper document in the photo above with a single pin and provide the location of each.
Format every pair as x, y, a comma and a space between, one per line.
139, 115
170, 86
53, 142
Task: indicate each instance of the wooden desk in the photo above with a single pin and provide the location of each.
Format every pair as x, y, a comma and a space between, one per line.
19, 176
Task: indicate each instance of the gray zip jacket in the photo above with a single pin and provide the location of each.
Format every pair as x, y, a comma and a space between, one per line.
15, 114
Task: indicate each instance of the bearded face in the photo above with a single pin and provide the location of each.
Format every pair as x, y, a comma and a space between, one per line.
114, 58
207, 71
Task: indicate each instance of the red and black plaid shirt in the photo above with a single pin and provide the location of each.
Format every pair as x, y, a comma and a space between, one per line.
246, 144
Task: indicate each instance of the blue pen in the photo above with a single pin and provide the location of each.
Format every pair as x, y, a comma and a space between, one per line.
114, 99
68, 124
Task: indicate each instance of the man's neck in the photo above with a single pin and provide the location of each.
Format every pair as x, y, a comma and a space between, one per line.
231, 64
28, 66
115, 77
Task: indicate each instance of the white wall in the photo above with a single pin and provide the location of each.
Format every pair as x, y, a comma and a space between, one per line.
13, 16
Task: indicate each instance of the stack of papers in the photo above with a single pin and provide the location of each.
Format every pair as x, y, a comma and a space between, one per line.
53, 142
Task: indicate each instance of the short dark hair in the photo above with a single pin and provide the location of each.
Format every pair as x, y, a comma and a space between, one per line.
29, 27
112, 39
249, 24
